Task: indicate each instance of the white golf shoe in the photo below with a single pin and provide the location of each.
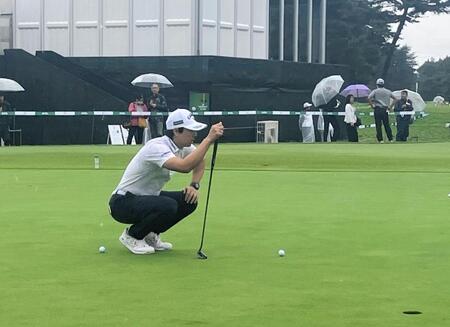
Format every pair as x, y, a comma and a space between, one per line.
134, 245
154, 240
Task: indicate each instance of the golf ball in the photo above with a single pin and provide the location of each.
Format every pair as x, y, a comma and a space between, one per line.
102, 249
281, 253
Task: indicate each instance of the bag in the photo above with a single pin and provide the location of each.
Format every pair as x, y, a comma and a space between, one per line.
358, 122
142, 122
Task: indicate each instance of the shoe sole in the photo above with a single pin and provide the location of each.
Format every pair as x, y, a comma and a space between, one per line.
133, 251
158, 249
162, 249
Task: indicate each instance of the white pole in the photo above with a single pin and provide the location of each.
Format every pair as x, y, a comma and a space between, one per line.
295, 41
323, 30
281, 50
198, 28
416, 74
310, 27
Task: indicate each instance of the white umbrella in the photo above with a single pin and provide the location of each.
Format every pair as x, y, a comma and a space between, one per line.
416, 99
146, 80
8, 85
438, 100
327, 89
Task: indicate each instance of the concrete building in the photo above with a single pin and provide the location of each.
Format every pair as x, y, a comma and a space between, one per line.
6, 24
296, 29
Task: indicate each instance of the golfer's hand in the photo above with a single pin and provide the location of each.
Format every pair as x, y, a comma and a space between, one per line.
190, 195
215, 132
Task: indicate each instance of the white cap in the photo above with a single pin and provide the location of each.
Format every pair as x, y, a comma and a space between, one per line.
380, 81
307, 105
183, 118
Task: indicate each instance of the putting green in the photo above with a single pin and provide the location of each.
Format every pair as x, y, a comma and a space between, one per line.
364, 227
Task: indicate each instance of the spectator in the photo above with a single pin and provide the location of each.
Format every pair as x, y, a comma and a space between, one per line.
403, 121
331, 108
137, 124
306, 124
319, 127
156, 103
5, 121
379, 100
350, 119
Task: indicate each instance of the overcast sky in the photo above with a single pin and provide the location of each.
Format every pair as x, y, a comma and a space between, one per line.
429, 38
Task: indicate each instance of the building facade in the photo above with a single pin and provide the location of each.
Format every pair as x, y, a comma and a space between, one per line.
261, 29
143, 27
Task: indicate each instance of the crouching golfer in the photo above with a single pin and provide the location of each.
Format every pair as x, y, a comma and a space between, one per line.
139, 200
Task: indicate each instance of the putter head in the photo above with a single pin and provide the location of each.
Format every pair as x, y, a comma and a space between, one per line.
201, 255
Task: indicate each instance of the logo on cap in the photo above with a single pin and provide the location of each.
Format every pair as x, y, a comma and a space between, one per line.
178, 122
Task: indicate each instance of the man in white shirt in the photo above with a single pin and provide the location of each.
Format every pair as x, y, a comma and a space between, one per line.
139, 200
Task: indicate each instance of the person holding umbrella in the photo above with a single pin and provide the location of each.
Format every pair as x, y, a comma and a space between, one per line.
325, 97
7, 85
156, 103
403, 121
5, 121
331, 108
379, 100
350, 119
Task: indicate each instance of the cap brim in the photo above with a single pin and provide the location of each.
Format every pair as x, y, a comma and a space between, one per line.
196, 126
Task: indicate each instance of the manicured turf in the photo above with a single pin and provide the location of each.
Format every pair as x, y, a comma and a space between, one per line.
365, 229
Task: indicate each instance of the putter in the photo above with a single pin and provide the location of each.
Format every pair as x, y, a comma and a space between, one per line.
238, 128
200, 253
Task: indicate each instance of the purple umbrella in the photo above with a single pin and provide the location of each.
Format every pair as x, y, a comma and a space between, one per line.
357, 90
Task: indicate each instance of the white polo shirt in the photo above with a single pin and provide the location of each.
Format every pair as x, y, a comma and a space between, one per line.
145, 174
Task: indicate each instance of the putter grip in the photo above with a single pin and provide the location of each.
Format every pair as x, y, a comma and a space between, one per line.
213, 159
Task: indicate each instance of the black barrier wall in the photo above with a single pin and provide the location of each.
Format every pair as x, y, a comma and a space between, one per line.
55, 83
49, 87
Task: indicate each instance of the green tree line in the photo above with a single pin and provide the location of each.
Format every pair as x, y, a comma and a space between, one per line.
364, 35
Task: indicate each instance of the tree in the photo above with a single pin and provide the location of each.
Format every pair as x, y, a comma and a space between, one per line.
402, 12
435, 79
356, 36
402, 73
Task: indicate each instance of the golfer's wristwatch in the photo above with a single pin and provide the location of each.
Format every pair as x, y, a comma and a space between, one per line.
195, 185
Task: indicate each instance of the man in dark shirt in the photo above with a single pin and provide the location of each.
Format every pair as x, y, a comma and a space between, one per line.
331, 107
5, 121
403, 121
156, 103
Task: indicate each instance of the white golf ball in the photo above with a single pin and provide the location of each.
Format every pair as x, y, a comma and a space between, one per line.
102, 249
281, 253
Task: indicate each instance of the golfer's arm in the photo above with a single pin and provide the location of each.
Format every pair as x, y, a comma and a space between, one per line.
186, 165
197, 173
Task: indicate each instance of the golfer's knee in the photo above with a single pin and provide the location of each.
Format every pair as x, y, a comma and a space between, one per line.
191, 207
170, 207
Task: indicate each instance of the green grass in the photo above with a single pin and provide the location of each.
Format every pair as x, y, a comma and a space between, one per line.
364, 226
